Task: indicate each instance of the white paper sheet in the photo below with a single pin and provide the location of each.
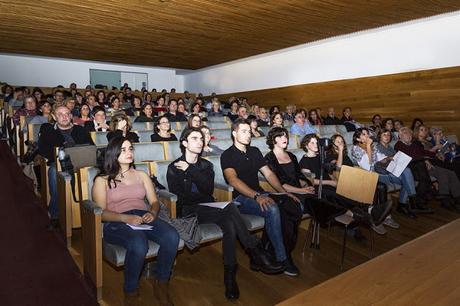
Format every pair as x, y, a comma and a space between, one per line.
220, 205
140, 227
399, 163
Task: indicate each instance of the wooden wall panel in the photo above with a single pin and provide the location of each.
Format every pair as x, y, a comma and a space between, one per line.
433, 95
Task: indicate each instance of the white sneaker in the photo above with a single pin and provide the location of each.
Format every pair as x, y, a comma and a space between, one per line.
390, 222
379, 229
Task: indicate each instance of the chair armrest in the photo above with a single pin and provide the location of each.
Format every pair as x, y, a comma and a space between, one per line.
169, 199
91, 226
163, 193
64, 193
223, 187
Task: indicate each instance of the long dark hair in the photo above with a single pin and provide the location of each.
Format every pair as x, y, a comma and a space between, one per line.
331, 148
111, 166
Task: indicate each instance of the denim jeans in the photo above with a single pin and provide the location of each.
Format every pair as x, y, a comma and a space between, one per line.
136, 245
53, 208
405, 180
272, 222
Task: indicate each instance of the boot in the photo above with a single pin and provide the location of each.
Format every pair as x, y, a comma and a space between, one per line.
161, 291
404, 209
362, 216
260, 261
418, 205
380, 212
131, 298
232, 292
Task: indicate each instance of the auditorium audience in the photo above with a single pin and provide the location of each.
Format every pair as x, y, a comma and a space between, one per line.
208, 148
255, 130
301, 126
289, 113
398, 124
61, 134
264, 119
84, 115
181, 108
276, 120
415, 123
173, 114
120, 191
191, 178
348, 120
314, 118
100, 98
146, 114
162, 130
331, 119
215, 110
233, 113
194, 121
28, 110
98, 124
240, 165
70, 103
43, 115
120, 126
423, 168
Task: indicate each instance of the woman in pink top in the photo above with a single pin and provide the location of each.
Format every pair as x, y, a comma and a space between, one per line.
120, 191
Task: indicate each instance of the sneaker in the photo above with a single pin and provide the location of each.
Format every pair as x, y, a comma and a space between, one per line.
380, 212
290, 268
379, 229
390, 222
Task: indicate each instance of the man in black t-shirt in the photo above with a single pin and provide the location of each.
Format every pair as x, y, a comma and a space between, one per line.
61, 134
240, 164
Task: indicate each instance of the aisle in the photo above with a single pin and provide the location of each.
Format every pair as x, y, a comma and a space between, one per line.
36, 268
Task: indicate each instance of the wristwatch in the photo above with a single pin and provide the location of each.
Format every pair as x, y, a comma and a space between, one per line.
256, 195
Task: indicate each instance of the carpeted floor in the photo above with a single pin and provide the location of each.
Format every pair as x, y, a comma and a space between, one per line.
35, 265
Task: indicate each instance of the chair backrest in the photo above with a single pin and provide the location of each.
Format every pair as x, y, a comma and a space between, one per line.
218, 174
327, 130
299, 153
142, 126
341, 129
217, 119
100, 138
264, 129
223, 144
172, 150
221, 133
261, 143
357, 184
144, 136
148, 151
160, 169
33, 131
293, 142
218, 125
348, 136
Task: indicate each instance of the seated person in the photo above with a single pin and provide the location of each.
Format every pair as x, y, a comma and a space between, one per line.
146, 114
289, 113
310, 164
173, 114
84, 116
436, 145
191, 178
162, 130
194, 121
337, 153
301, 127
233, 113
208, 148
276, 120
98, 124
61, 134
120, 126
160, 108
314, 118
215, 109
197, 109
255, 130
240, 165
376, 125
115, 106
136, 107
120, 191
384, 147
422, 168
182, 108
331, 119
348, 120
44, 114
29, 110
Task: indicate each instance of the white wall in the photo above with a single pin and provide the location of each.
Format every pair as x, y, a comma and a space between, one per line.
50, 72
418, 45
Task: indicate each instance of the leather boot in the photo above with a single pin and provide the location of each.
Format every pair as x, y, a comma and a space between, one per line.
161, 291
260, 261
232, 292
131, 298
418, 206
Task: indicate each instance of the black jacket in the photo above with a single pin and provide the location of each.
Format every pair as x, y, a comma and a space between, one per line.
275, 166
133, 137
199, 176
50, 137
332, 121
89, 126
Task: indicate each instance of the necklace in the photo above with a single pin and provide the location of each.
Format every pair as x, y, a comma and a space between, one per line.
121, 174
